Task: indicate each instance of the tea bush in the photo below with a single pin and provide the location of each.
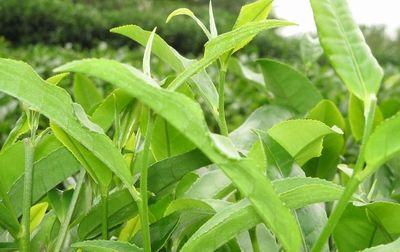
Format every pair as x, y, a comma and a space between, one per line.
141, 168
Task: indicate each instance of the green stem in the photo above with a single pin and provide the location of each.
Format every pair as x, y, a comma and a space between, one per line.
27, 195
64, 226
104, 212
221, 103
143, 203
355, 180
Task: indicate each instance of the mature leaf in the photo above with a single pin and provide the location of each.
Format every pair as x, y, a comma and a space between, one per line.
187, 117
216, 47
208, 185
106, 246
389, 107
55, 103
262, 118
367, 225
301, 138
45, 177
236, 67
228, 222
8, 221
171, 57
86, 93
167, 141
346, 48
59, 201
384, 143
289, 87
393, 246
325, 166
189, 13
37, 213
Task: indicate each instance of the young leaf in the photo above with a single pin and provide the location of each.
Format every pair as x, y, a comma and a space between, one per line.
289, 87
147, 54
86, 93
55, 103
345, 47
189, 13
56, 79
357, 119
325, 166
218, 46
252, 12
301, 138
37, 214
172, 58
106, 246
213, 27
384, 143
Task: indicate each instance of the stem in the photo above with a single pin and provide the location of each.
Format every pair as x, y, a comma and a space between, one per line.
221, 103
71, 208
355, 180
104, 212
143, 203
254, 239
27, 195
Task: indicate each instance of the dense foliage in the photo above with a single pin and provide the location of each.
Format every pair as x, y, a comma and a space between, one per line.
155, 156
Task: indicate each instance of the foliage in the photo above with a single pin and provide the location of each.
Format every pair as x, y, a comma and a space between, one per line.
107, 157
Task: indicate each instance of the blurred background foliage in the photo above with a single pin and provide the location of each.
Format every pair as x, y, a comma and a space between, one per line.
48, 33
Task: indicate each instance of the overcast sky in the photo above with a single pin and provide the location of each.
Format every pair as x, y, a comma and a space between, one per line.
368, 12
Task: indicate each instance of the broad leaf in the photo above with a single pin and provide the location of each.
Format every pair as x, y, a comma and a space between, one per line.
289, 87
345, 47
86, 93
393, 246
367, 225
301, 138
384, 143
325, 166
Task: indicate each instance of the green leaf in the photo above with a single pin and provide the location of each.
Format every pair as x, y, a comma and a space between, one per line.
20, 128
345, 47
289, 87
189, 13
213, 27
106, 246
100, 173
44, 168
59, 201
225, 42
252, 12
55, 103
393, 246
245, 72
56, 79
37, 213
147, 54
325, 166
184, 114
172, 58
357, 119
167, 141
367, 225
384, 143
389, 107
263, 118
85, 92
228, 222
301, 138
8, 221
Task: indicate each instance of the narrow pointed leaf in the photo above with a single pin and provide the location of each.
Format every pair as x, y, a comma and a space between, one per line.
189, 13
106, 246
86, 93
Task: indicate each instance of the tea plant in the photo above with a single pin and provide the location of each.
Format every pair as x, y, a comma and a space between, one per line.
141, 170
